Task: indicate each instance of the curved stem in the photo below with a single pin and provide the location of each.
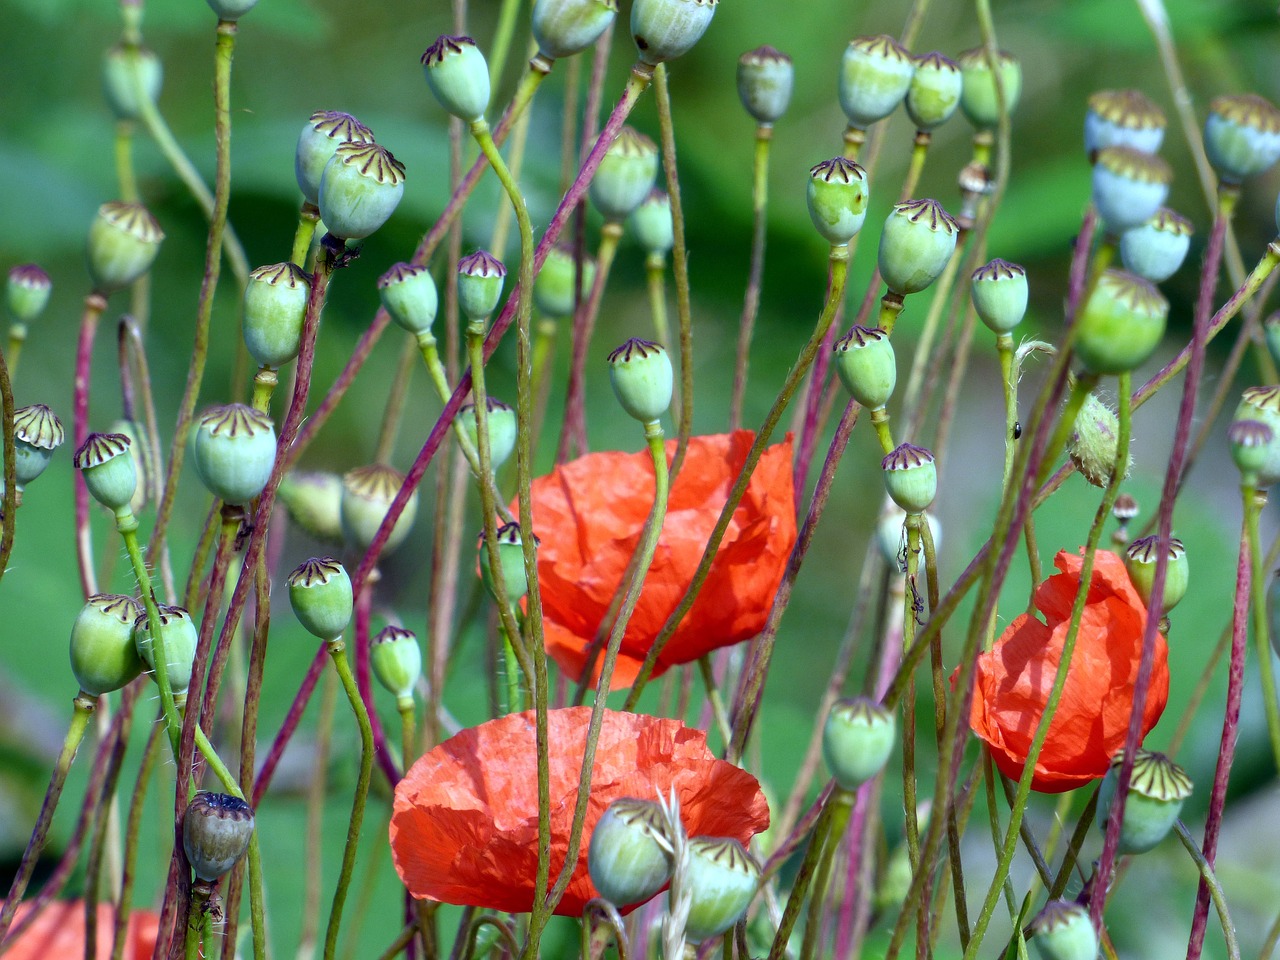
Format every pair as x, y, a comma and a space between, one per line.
751, 299
94, 305
1210, 880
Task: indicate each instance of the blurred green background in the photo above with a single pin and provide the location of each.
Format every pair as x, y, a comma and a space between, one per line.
294, 57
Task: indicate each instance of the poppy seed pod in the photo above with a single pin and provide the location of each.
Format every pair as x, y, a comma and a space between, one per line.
837, 197
1140, 560
321, 135
866, 366
857, 739
765, 79
1241, 136
1128, 187
321, 597
629, 857
874, 76
480, 277
626, 175
555, 287
652, 224
367, 493
125, 68
918, 239
720, 877
1121, 323
458, 76
397, 662
103, 656
275, 306
891, 535
359, 190
999, 292
27, 292
978, 98
144, 463
562, 28
1157, 789
1063, 931
934, 92
1094, 440
1155, 250
666, 29
1263, 405
511, 551
409, 295
37, 432
1123, 118
231, 9
502, 424
123, 242
216, 831
107, 467
1251, 443
234, 450
179, 634
314, 500
910, 477
640, 371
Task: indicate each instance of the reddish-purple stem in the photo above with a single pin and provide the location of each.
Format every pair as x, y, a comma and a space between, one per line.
94, 304
364, 681
818, 389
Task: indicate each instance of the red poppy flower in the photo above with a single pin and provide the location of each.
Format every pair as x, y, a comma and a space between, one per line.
1089, 727
589, 514
465, 824
58, 933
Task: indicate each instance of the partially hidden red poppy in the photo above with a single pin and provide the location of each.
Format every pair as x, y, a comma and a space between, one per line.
1015, 677
589, 514
58, 933
464, 828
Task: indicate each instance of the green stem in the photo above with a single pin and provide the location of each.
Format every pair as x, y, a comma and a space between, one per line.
714, 699
1215, 890
655, 282
440, 381
133, 825
501, 46
823, 835
197, 921
1262, 627
919, 153
843, 802
308, 217
125, 175
1008, 377
315, 815
751, 300
396, 398
909, 613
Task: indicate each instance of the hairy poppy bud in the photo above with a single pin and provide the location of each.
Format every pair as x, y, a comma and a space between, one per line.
37, 432
234, 451
874, 76
409, 294
1063, 931
918, 239
1155, 250
765, 79
480, 277
367, 493
511, 553
27, 292
629, 858
458, 76
1242, 136
216, 831
1129, 186
866, 366
275, 306
107, 467
178, 631
502, 424
911, 477
978, 98
103, 656
1157, 789
1123, 118
123, 242
562, 28
126, 68
837, 197
626, 175
999, 292
934, 93
397, 662
666, 29
321, 597
721, 878
640, 371
1121, 323
320, 138
856, 740
1140, 560
359, 190
1094, 442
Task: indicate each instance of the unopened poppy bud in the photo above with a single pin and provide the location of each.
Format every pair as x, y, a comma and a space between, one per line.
123, 242
103, 656
1063, 931
216, 831
934, 92
978, 98
1241, 136
480, 277
37, 432
409, 294
359, 190
918, 239
765, 79
629, 858
910, 477
180, 636
234, 449
1121, 323
231, 9
666, 29
562, 28
275, 306
640, 371
1251, 442
626, 175
27, 292
1263, 405
314, 502
126, 68
321, 135
856, 740
999, 291
1155, 250
837, 197
511, 551
397, 662
1123, 118
891, 535
1129, 186
1140, 560
458, 76
1094, 441
1157, 788
652, 223
721, 877
555, 285
502, 424
321, 597
866, 366
107, 467
367, 493
874, 75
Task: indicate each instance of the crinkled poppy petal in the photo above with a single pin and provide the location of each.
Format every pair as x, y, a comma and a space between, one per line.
465, 824
59, 932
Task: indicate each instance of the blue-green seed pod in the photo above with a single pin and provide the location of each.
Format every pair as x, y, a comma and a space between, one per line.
555, 285
231, 9
37, 432
1123, 118
1242, 136
144, 461
1263, 405
1063, 931
409, 294
275, 306
234, 449
1121, 323
321, 596
103, 656
979, 99
216, 830
480, 277
666, 29
501, 421
1156, 249
180, 637
359, 190
511, 550
1094, 442
626, 175
910, 477
27, 292
321, 136
629, 857
1157, 790
765, 79
1251, 443
367, 493
1140, 559
123, 242
721, 877
918, 239
562, 28
314, 502
652, 224
874, 76
857, 739
640, 371
999, 292
107, 467
458, 76
396, 659
837, 197
934, 92
866, 366
125, 67
1129, 186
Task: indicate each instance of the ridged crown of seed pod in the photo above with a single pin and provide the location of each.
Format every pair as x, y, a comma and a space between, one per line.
359, 190
721, 877
857, 739
1156, 249
38, 426
765, 78
367, 493
626, 175
125, 68
216, 830
1123, 118
1157, 789
321, 596
107, 467
123, 242
918, 239
1252, 445
511, 550
554, 286
874, 75
321, 135
1121, 323
1156, 776
1063, 931
629, 857
275, 306
979, 98
1140, 559
1129, 186
234, 451
409, 294
837, 197
562, 28
666, 29
911, 477
1094, 442
103, 657
934, 92
458, 76
180, 637
480, 277
652, 223
999, 292
1242, 136
27, 291
640, 371
502, 428
866, 365
397, 661
313, 499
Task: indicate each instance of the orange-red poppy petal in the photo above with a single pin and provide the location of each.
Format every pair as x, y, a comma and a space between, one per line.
59, 932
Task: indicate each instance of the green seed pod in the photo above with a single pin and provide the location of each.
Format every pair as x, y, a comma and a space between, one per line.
321, 597
910, 477
502, 424
874, 76
866, 366
934, 93
837, 197
103, 657
1063, 931
367, 493
458, 76
629, 858
397, 662
721, 877
107, 467
511, 549
1122, 118
640, 371
143, 461
1128, 187
1263, 405
409, 294
999, 292
626, 175
857, 739
125, 68
37, 432
321, 135
1094, 440
1251, 446
275, 306
180, 637
918, 239
891, 536
123, 242
359, 190
666, 29
27, 292
1121, 323
555, 285
1140, 560
1157, 789
1155, 250
234, 449
1242, 136
216, 830
978, 98
480, 277
314, 503
565, 27
652, 224
765, 79
231, 9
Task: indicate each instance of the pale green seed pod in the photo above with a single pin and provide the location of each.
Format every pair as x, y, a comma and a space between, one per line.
511, 553
321, 136
27, 292
1129, 186
321, 596
978, 98
103, 656
1140, 560
180, 638
1123, 118
37, 432
275, 306
124, 240
314, 502
1252, 443
359, 190
765, 79
562, 28
216, 830
1242, 136
144, 461
480, 277
652, 224
556, 282
105, 463
640, 371
874, 76
721, 878
367, 493
409, 294
999, 292
629, 857
857, 739
1121, 323
910, 477
1063, 931
231, 9
458, 76
866, 366
125, 68
1157, 790
837, 196
1156, 249
396, 659
1263, 405
918, 239
234, 449
666, 29
934, 92
502, 424
626, 175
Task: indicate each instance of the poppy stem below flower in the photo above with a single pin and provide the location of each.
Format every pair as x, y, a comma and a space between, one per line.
1210, 880
837, 808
